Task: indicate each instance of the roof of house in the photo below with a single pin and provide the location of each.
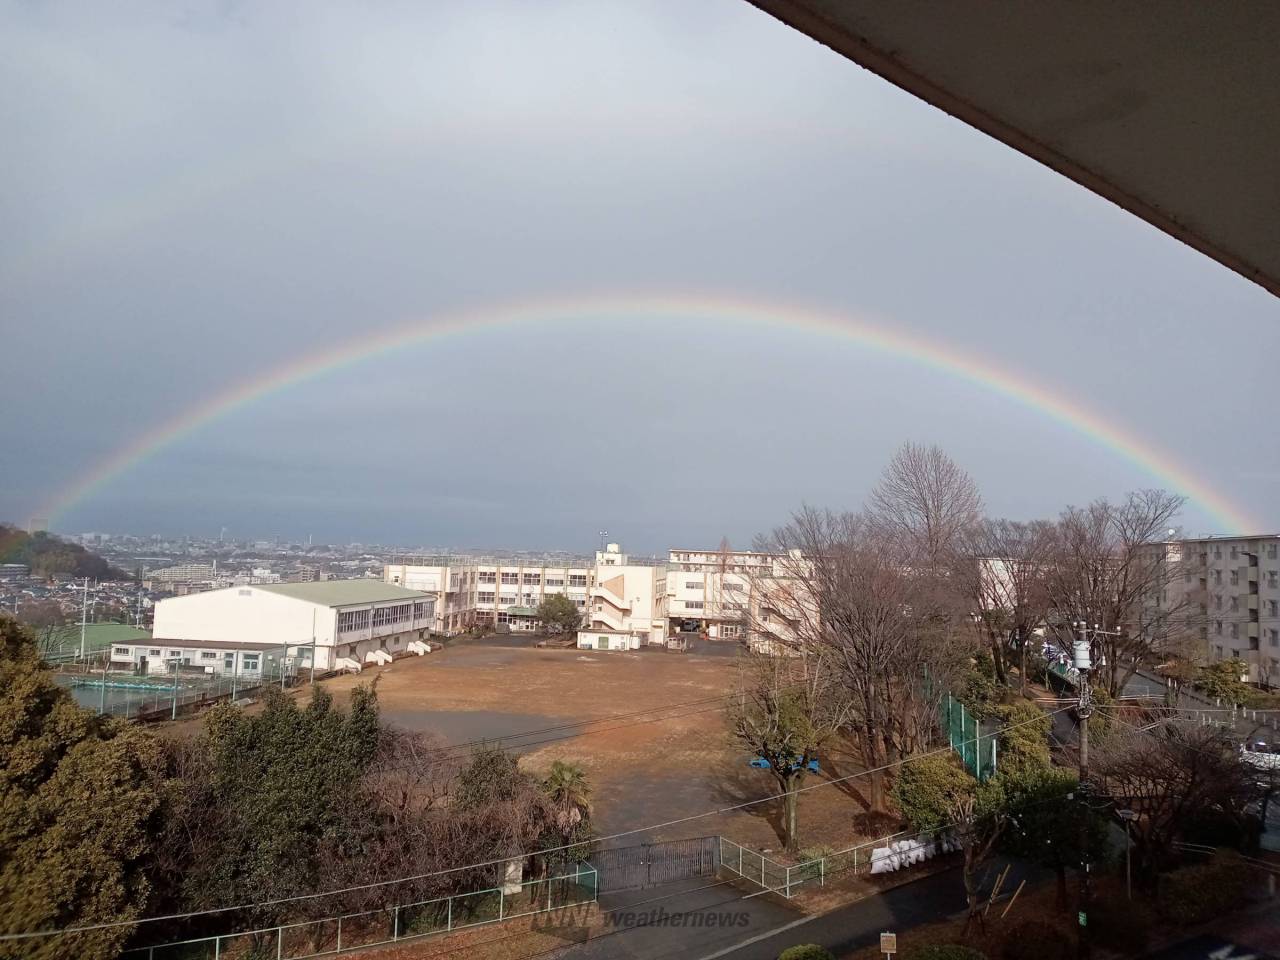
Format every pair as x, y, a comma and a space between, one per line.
342, 593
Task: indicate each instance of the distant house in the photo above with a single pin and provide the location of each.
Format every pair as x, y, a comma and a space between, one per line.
351, 621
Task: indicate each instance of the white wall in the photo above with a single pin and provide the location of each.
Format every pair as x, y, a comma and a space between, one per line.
245, 615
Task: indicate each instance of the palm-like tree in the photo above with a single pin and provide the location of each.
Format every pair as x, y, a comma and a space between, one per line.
569, 792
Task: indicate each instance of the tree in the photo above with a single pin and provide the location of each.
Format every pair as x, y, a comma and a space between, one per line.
1024, 736
559, 614
935, 793
51, 556
265, 794
1003, 570
786, 712
1221, 680
78, 801
845, 594
1051, 822
1170, 777
44, 619
926, 501
569, 811
1114, 569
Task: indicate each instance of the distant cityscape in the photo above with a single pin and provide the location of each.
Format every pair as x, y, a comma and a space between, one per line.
157, 567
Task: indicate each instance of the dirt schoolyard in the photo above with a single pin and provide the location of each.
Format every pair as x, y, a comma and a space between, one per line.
666, 754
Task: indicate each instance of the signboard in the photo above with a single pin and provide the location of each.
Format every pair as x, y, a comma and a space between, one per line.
888, 943
1084, 922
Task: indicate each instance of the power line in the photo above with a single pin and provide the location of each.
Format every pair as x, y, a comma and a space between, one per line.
509, 857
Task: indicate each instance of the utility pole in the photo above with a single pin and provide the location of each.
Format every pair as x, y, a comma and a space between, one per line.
1084, 707
84, 617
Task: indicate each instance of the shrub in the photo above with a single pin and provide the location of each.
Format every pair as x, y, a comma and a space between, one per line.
946, 951
1199, 893
1036, 940
806, 951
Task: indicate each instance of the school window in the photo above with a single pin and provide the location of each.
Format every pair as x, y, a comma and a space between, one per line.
1234, 551
250, 662
486, 576
121, 651
1235, 631
1274, 637
507, 598
510, 578
349, 620
694, 604
208, 655
692, 585
577, 579
555, 581
533, 578
1235, 577
1272, 579
484, 596
1271, 552
153, 653
1271, 608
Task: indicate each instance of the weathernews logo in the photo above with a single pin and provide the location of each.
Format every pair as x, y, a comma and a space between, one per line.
575, 922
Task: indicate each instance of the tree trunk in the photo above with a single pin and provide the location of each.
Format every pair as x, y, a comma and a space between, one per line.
997, 659
1022, 670
790, 821
970, 872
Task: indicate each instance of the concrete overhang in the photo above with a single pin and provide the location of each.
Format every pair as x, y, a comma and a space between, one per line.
1170, 110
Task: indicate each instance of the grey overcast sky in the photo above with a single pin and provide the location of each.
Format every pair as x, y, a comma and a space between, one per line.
194, 194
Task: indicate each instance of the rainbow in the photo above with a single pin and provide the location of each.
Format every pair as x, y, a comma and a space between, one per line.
937, 355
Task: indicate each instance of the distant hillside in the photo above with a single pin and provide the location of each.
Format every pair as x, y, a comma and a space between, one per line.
50, 556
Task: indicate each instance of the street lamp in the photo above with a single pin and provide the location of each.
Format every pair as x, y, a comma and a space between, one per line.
1128, 816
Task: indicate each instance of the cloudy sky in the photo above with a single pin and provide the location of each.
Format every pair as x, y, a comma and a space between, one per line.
193, 196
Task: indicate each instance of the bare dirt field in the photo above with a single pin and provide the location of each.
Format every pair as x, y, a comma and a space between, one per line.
669, 758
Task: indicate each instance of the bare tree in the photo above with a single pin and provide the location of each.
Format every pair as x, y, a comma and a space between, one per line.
926, 501
1004, 573
788, 709
1115, 570
842, 587
45, 619
1169, 778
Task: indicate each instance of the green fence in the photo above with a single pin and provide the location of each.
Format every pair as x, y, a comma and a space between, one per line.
976, 747
393, 924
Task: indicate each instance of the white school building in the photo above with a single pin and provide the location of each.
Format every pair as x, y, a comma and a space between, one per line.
351, 622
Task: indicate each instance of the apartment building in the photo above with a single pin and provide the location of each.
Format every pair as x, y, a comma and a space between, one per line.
488, 591
1230, 589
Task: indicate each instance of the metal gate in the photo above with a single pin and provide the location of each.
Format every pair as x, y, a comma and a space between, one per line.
650, 864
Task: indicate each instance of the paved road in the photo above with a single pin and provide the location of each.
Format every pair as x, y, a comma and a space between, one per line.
860, 924
679, 919
760, 928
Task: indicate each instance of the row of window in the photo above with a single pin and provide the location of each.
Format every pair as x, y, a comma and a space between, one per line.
1271, 552
1273, 577
530, 579
385, 616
